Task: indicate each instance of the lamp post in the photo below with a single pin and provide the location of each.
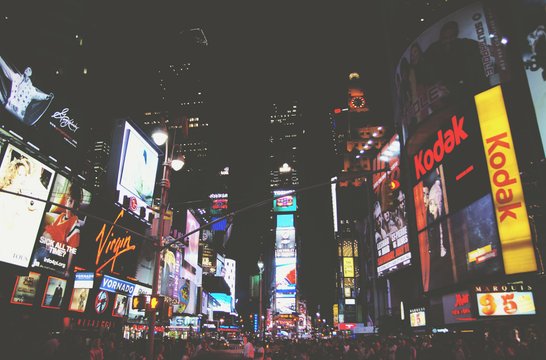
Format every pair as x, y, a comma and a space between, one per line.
160, 137
260, 317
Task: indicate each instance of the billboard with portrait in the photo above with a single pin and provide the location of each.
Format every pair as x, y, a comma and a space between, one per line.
454, 213
390, 219
24, 290
21, 174
31, 108
59, 235
54, 293
456, 57
121, 305
138, 161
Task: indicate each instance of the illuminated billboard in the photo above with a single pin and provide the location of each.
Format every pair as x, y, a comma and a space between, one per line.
78, 300
285, 276
456, 57
285, 238
285, 221
418, 317
454, 212
38, 113
285, 204
138, 161
348, 267
508, 198
59, 236
21, 174
390, 219
505, 300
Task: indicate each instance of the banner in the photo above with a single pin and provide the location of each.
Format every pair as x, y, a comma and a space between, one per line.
59, 236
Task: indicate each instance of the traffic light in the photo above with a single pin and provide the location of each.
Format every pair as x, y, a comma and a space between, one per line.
156, 302
139, 302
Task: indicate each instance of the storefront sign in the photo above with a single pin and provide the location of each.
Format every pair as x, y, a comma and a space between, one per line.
507, 192
114, 285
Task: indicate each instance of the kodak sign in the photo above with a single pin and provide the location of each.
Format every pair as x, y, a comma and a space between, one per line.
511, 212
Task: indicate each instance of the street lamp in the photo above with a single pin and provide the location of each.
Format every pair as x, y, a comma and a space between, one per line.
261, 269
160, 137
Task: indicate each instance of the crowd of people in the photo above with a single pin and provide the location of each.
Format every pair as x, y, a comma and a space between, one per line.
504, 343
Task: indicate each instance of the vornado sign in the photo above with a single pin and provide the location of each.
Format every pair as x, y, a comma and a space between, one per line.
507, 192
447, 140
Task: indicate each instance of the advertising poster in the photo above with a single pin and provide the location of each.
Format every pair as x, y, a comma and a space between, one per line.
59, 235
453, 59
390, 220
285, 204
417, 317
21, 174
454, 215
24, 291
285, 276
168, 274
121, 305
78, 301
531, 24
54, 293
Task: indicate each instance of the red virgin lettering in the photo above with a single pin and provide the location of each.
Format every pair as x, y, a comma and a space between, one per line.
445, 143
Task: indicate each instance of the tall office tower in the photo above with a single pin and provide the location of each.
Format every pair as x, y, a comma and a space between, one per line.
285, 135
357, 138
98, 155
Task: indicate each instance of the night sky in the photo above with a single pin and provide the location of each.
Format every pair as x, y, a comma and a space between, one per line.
260, 54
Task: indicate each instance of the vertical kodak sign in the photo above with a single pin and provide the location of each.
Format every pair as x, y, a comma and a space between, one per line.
511, 213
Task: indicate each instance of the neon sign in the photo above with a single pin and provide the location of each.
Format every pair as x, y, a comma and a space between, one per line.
111, 246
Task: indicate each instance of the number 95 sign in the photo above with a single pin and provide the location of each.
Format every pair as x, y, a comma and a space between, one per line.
506, 304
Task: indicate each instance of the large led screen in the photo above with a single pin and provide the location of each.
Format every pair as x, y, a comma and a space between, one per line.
220, 302
285, 204
21, 174
285, 305
59, 236
285, 276
456, 57
285, 221
418, 317
137, 169
390, 219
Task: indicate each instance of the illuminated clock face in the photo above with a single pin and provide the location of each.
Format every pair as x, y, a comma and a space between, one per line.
358, 102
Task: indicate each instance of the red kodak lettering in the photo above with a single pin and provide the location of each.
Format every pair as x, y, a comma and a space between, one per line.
506, 211
496, 140
445, 143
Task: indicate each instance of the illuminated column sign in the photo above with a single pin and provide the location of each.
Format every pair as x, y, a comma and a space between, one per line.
510, 210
